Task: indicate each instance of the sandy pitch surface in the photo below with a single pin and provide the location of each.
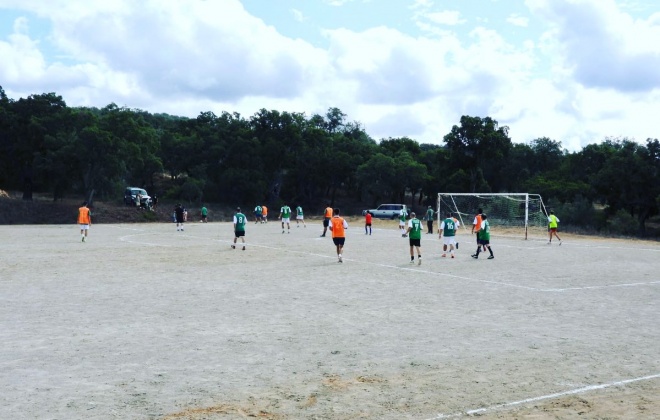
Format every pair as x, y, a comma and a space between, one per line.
144, 322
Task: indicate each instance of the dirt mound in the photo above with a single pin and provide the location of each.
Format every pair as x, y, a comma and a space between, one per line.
15, 211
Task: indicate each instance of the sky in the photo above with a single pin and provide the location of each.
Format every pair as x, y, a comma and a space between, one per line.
575, 71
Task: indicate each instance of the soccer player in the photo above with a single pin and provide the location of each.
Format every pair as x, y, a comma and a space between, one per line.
402, 222
476, 224
285, 215
448, 231
264, 214
205, 214
484, 237
84, 220
457, 224
414, 233
257, 214
239, 227
552, 227
327, 215
300, 217
429, 219
179, 217
338, 228
367, 223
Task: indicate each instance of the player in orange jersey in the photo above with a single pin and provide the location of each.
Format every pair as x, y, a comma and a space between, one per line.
84, 220
338, 228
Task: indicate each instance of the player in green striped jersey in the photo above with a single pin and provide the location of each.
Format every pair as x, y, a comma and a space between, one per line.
300, 217
484, 237
285, 215
448, 231
239, 227
414, 233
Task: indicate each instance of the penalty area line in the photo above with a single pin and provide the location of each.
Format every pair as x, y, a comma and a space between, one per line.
545, 397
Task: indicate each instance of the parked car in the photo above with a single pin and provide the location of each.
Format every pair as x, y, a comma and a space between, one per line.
387, 211
131, 193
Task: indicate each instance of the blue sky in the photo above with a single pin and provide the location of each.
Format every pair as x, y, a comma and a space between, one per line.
577, 71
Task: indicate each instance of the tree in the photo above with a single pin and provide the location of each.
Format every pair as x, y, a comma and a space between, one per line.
479, 145
628, 180
34, 118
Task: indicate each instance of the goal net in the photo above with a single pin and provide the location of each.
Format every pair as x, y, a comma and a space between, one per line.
508, 214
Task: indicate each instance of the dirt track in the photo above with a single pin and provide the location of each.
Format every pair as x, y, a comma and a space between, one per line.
144, 322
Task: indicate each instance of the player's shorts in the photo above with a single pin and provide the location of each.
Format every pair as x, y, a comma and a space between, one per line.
257, 215
553, 229
402, 223
179, 219
239, 233
299, 217
477, 233
367, 224
449, 240
84, 227
483, 242
415, 242
339, 241
326, 222
285, 220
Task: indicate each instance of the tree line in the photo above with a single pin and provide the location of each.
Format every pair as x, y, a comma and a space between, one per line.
272, 157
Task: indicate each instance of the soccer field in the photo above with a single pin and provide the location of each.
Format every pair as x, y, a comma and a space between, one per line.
144, 322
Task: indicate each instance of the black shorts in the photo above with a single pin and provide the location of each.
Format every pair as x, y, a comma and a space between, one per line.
415, 242
339, 241
239, 233
367, 224
483, 242
326, 222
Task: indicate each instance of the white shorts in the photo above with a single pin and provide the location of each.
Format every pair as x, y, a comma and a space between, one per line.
402, 224
84, 227
299, 217
449, 240
285, 220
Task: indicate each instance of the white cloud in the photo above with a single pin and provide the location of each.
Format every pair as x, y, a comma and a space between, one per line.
447, 17
297, 15
603, 46
183, 59
517, 20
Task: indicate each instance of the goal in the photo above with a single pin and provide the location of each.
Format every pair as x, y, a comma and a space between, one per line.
508, 213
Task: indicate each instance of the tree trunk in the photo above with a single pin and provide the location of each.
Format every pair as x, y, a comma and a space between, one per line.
27, 183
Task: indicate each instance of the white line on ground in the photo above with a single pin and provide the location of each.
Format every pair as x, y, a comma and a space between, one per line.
405, 268
545, 397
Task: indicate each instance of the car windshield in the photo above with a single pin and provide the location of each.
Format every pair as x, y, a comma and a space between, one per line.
136, 192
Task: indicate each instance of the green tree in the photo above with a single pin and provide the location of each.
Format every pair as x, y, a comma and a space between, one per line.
34, 118
479, 147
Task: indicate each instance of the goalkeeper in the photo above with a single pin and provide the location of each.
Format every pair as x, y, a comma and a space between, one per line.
553, 222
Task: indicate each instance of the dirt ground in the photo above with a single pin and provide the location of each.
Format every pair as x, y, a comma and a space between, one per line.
144, 322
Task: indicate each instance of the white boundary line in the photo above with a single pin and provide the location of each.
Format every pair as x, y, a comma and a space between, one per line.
476, 411
545, 397
416, 270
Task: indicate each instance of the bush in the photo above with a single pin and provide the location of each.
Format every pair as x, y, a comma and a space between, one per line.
579, 213
622, 223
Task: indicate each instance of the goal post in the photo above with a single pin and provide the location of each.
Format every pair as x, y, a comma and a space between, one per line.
508, 213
